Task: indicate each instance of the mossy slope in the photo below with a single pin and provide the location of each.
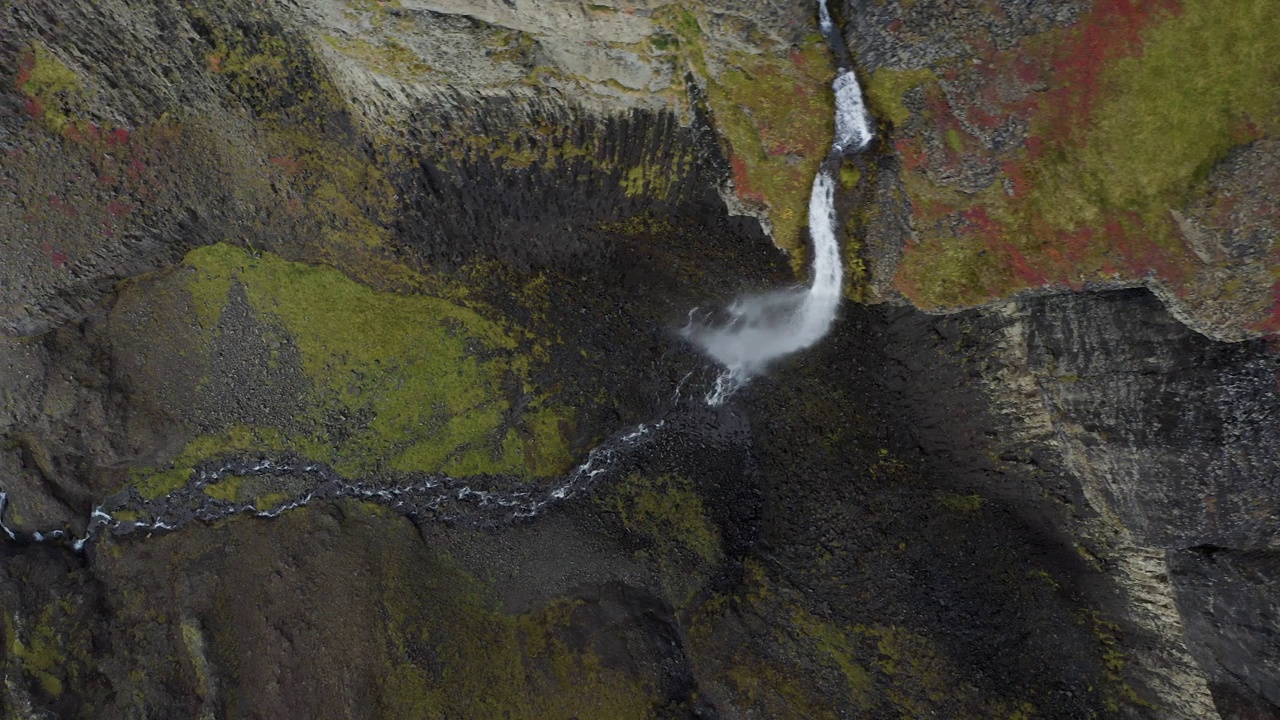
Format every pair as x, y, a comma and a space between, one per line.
378, 625
403, 383
1125, 114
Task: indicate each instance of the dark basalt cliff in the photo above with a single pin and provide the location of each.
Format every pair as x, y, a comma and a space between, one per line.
299, 294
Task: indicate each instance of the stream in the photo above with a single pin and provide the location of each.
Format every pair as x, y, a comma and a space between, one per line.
743, 339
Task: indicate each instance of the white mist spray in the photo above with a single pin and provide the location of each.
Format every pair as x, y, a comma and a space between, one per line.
762, 328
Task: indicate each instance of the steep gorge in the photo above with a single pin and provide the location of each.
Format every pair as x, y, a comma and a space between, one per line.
261, 252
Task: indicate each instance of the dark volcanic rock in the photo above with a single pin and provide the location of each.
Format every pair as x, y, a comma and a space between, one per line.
1058, 506
1228, 602
1182, 433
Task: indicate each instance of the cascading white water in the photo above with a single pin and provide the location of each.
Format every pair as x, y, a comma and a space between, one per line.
762, 328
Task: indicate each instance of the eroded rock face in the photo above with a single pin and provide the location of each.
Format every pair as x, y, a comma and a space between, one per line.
411, 239
1159, 416
1160, 446
1227, 596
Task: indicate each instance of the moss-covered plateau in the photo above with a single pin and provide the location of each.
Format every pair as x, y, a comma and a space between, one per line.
428, 385
1142, 100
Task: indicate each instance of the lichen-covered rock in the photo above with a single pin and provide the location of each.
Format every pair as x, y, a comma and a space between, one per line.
1060, 144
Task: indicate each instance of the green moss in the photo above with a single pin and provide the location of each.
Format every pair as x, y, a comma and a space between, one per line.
193, 642
775, 111
778, 658
339, 195
856, 279
270, 500
921, 678
485, 663
962, 503
228, 488
668, 512
541, 145
1090, 195
427, 374
542, 442
950, 272
662, 42
1118, 692
152, 484
650, 180
667, 515
886, 88
836, 645
54, 86
387, 57
512, 45
1175, 109
42, 655
643, 224
126, 515
686, 40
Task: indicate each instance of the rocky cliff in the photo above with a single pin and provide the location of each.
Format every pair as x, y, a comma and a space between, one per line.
347, 334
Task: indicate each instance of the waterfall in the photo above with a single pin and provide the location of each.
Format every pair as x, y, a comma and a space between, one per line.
757, 329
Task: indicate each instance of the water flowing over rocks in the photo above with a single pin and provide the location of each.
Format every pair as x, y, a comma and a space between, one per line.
343, 371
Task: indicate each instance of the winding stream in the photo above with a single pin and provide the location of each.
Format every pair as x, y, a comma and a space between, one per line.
419, 497
755, 331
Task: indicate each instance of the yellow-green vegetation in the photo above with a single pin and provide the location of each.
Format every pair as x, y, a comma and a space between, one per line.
667, 511
669, 516
775, 111
53, 88
429, 376
920, 678
339, 193
228, 488
387, 57
490, 664
541, 145
547, 146
886, 88
511, 45
43, 653
962, 503
834, 646
1205, 75
152, 483
193, 642
855, 224
1090, 196
651, 180
683, 35
270, 500
947, 267
1118, 692
951, 272
778, 659
778, 671
645, 223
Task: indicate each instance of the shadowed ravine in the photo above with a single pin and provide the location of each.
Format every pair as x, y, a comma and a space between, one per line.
760, 329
